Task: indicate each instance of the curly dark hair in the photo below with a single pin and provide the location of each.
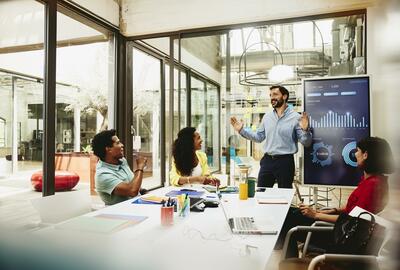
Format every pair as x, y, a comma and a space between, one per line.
102, 140
183, 151
380, 158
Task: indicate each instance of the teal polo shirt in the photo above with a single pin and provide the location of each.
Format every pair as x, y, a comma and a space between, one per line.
108, 176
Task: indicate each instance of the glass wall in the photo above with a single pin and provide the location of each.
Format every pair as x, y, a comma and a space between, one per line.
198, 108
146, 114
203, 55
183, 101
21, 95
84, 93
21, 92
313, 48
212, 126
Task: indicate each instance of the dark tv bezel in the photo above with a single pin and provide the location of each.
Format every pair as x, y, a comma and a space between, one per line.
332, 78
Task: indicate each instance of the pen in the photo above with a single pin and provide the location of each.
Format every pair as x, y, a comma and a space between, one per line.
169, 202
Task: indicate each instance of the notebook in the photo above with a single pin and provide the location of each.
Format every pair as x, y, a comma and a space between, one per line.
150, 199
245, 225
189, 192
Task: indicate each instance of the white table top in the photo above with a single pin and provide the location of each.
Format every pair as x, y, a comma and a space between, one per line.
202, 240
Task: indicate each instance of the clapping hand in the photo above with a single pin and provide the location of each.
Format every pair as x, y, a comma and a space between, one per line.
236, 124
303, 121
141, 163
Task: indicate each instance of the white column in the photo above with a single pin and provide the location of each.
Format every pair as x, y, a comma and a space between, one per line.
77, 130
14, 128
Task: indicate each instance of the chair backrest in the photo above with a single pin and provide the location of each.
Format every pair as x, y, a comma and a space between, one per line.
389, 226
62, 206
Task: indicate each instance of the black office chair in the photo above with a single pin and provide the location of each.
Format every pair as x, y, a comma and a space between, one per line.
334, 261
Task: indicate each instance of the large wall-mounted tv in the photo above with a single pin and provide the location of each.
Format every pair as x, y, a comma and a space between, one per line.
339, 115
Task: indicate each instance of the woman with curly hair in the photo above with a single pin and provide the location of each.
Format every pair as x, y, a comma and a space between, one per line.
189, 165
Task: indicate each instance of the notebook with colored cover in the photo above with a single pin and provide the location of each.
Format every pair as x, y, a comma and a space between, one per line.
189, 192
150, 199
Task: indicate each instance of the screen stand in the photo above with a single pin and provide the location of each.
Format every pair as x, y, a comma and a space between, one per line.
315, 197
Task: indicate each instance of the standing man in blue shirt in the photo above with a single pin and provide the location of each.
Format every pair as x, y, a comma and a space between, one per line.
115, 182
281, 129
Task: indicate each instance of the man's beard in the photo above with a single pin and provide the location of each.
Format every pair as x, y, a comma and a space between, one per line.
278, 104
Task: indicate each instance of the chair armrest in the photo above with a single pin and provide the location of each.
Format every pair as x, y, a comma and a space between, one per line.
341, 258
301, 229
308, 238
323, 223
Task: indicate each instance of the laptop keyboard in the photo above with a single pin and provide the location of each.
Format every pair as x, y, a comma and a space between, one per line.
244, 223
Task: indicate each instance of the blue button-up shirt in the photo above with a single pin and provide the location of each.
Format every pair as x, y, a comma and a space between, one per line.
280, 134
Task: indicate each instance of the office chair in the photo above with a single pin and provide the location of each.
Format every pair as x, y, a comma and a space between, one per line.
62, 206
330, 260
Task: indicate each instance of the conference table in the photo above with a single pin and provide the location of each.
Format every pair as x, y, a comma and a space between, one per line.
202, 240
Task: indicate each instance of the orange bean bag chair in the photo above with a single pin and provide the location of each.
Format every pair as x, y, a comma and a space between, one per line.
64, 180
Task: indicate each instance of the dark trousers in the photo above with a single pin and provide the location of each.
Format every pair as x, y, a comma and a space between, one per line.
276, 168
295, 218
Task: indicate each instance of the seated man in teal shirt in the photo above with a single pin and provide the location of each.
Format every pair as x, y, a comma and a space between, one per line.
115, 182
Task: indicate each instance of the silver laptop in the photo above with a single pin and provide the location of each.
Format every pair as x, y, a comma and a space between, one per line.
244, 225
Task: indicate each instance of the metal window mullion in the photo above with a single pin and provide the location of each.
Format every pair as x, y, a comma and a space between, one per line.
219, 127
126, 95
205, 116
171, 95
228, 106
179, 83
49, 94
188, 98
162, 124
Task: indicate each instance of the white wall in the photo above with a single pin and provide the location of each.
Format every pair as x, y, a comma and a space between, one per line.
106, 9
188, 59
141, 17
22, 24
383, 64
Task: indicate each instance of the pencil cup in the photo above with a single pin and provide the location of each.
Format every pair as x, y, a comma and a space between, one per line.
243, 191
183, 206
167, 215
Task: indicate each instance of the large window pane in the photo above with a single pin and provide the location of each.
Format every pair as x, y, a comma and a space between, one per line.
21, 95
84, 94
146, 114
183, 101
198, 108
327, 47
212, 126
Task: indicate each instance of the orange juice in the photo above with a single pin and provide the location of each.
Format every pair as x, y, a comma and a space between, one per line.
243, 191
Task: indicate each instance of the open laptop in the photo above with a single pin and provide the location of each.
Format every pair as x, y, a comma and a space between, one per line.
244, 225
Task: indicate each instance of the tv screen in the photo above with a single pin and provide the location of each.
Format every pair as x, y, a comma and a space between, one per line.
338, 110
